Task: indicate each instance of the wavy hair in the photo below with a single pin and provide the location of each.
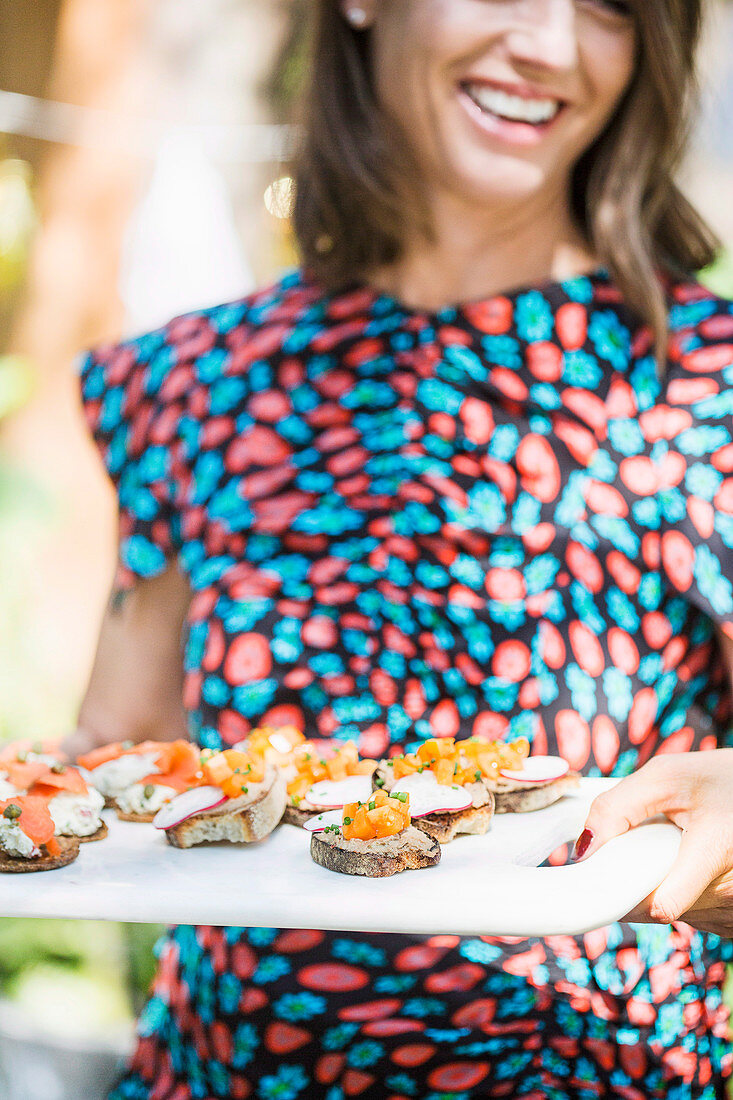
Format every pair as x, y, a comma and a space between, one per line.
356, 193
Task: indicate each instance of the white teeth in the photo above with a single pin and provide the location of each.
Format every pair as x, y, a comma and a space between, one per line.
513, 107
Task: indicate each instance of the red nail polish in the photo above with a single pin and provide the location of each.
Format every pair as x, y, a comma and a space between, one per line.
582, 844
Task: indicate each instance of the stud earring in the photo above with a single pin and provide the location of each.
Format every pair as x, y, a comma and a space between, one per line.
357, 17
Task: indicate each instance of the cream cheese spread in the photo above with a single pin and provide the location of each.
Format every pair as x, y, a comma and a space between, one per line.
134, 801
7, 790
14, 842
115, 776
76, 814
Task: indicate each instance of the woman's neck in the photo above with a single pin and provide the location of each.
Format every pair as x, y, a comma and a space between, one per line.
469, 260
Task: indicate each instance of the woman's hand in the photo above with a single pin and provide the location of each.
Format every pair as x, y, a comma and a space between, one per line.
695, 791
136, 685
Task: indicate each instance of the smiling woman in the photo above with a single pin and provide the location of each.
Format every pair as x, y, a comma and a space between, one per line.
413, 117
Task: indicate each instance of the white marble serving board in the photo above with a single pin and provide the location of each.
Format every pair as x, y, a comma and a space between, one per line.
488, 885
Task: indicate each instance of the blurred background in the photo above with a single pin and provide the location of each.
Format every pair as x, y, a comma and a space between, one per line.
143, 172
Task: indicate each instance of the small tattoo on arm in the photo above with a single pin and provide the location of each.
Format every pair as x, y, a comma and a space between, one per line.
117, 600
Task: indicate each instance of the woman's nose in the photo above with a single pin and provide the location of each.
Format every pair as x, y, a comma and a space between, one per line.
543, 33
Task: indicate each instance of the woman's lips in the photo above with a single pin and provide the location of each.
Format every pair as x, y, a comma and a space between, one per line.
514, 132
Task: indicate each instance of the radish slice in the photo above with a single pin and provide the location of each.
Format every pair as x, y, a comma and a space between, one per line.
539, 769
330, 794
183, 806
319, 822
427, 796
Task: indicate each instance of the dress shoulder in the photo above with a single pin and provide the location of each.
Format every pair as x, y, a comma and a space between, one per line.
693, 439
147, 400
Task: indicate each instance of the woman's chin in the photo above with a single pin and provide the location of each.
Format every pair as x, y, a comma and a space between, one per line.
502, 183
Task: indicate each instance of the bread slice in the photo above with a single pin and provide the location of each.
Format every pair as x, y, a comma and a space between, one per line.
520, 798
410, 850
132, 817
295, 816
476, 820
99, 835
69, 846
239, 820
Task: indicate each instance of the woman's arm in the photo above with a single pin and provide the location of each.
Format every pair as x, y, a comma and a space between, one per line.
135, 688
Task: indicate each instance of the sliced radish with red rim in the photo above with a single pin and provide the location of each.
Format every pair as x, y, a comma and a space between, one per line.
319, 822
538, 769
427, 796
330, 794
196, 801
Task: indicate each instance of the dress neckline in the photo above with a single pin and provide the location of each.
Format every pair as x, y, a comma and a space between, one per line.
366, 296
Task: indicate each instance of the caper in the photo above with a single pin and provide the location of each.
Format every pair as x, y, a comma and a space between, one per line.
12, 812
148, 790
58, 769
21, 757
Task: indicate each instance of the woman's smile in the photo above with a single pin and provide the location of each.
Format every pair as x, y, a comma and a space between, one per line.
514, 115
499, 100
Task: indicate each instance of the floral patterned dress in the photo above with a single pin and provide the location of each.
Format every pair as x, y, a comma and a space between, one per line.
399, 524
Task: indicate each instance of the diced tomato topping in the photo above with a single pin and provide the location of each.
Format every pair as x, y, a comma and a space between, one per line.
232, 770
312, 768
458, 763
382, 816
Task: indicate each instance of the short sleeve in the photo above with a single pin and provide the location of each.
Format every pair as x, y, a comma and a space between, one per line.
691, 433
132, 399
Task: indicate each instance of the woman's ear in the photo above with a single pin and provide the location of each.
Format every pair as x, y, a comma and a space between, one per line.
359, 14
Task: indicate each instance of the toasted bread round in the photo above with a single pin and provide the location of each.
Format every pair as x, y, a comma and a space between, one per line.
69, 846
99, 835
240, 821
444, 827
295, 816
516, 798
143, 818
410, 850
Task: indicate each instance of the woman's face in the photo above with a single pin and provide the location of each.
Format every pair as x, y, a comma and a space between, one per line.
499, 98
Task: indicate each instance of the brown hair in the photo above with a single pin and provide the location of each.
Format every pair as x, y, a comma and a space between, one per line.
355, 177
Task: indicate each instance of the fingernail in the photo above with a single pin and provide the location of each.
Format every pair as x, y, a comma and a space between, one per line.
582, 844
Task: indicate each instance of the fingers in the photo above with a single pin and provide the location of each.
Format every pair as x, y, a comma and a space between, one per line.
633, 800
641, 913
696, 890
700, 861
